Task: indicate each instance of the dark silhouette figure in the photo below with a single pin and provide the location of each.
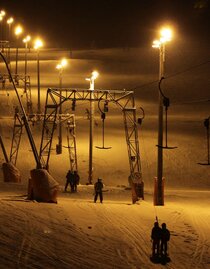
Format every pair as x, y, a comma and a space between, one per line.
165, 237
98, 186
76, 181
70, 181
156, 237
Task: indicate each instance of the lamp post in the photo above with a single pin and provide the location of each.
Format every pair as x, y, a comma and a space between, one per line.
9, 22
18, 32
25, 41
166, 35
60, 68
2, 14
1, 21
92, 110
37, 45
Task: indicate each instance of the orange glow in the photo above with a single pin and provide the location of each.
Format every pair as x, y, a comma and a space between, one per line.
18, 30
10, 20
38, 43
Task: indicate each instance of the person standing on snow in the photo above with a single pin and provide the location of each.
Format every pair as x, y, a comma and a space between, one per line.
156, 237
98, 186
165, 237
76, 180
69, 181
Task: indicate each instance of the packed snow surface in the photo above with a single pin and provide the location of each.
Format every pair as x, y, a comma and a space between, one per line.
78, 233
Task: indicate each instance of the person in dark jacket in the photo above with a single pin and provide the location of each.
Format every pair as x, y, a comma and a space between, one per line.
98, 186
156, 237
165, 237
69, 181
76, 180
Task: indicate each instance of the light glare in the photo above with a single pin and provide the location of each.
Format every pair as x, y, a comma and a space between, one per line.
38, 44
18, 30
10, 20
27, 39
2, 13
63, 62
166, 34
58, 66
95, 74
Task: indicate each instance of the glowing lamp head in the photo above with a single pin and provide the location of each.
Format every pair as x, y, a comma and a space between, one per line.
95, 74
2, 13
18, 30
27, 39
166, 35
58, 66
156, 44
10, 20
38, 44
63, 62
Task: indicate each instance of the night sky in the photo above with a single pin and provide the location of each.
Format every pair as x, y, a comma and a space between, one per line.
108, 23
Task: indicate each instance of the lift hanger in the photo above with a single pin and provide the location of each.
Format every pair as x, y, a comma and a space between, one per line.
103, 117
140, 120
166, 103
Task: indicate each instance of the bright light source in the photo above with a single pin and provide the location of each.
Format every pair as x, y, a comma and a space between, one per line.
95, 74
27, 39
63, 62
2, 13
58, 66
156, 44
38, 43
10, 20
18, 30
166, 35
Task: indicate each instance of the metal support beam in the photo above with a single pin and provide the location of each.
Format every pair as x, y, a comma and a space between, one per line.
71, 143
4, 150
17, 133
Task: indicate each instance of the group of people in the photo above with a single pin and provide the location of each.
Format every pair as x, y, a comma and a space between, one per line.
160, 237
72, 179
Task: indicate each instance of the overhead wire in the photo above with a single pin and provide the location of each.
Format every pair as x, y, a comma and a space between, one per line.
172, 75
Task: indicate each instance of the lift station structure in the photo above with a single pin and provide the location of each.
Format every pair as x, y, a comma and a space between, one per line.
54, 100
122, 98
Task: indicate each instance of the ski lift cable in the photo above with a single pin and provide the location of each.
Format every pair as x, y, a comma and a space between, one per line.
172, 75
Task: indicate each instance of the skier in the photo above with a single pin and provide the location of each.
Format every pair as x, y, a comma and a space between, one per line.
165, 237
98, 186
156, 236
69, 181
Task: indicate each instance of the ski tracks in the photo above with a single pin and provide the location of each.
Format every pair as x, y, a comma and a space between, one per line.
201, 255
